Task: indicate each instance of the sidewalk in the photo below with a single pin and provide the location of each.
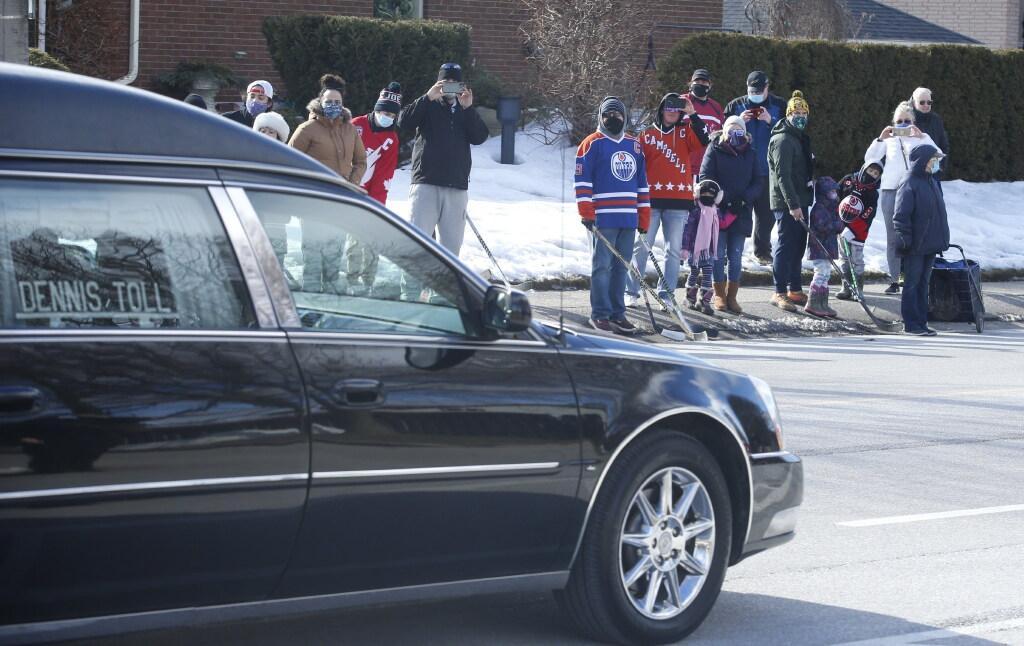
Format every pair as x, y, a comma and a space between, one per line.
1004, 304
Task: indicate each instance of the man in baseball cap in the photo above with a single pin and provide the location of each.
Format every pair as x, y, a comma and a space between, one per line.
259, 98
760, 111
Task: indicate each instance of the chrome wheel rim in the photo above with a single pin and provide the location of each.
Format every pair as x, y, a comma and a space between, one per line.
666, 543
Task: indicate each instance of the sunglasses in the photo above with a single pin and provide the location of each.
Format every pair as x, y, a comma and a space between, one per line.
451, 66
925, 102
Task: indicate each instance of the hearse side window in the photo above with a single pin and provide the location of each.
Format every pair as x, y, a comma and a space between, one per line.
82, 255
351, 270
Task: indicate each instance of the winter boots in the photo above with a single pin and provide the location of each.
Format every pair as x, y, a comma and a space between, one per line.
720, 303
702, 305
691, 297
818, 303
797, 298
782, 302
730, 298
846, 294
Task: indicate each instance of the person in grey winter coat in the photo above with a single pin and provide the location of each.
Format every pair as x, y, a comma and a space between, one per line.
922, 230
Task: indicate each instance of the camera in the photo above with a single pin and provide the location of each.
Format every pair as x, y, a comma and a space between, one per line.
902, 132
453, 87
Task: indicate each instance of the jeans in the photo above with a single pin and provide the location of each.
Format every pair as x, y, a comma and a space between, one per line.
764, 220
917, 273
787, 261
672, 222
730, 249
887, 202
608, 275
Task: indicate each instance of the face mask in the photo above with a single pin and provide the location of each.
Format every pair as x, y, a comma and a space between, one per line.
332, 110
707, 200
700, 91
737, 137
755, 98
384, 121
255, 107
934, 165
799, 122
613, 124
832, 195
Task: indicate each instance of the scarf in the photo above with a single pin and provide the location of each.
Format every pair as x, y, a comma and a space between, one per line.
705, 245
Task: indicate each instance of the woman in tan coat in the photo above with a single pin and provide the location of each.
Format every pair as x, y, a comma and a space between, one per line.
330, 138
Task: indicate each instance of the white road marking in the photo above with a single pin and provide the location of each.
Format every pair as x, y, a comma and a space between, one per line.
987, 628
939, 515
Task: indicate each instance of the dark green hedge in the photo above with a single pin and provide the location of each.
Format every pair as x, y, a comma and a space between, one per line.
853, 90
366, 52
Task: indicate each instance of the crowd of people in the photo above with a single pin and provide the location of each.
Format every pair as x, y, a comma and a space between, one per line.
706, 177
718, 177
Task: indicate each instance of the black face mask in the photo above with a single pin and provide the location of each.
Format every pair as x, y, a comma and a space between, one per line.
707, 200
699, 91
612, 124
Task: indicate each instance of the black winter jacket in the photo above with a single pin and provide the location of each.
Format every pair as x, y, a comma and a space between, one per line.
922, 227
241, 116
441, 154
931, 124
736, 172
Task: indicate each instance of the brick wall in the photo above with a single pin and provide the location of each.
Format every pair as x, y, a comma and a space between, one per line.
996, 23
216, 30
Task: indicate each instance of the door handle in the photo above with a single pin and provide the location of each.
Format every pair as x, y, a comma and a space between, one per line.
18, 399
359, 392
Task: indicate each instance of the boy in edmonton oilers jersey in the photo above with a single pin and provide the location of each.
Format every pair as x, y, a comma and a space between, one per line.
612, 196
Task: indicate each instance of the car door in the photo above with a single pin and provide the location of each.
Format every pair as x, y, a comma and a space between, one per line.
437, 455
153, 452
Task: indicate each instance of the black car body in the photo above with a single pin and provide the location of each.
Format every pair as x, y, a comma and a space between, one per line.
189, 433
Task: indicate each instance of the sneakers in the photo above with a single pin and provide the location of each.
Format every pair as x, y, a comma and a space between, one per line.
604, 325
780, 301
764, 260
633, 300
622, 326
930, 331
916, 332
893, 288
797, 298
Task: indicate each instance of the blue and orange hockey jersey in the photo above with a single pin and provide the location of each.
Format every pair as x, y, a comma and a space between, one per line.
611, 182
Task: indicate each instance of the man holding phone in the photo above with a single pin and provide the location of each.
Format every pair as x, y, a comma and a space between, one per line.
446, 124
760, 111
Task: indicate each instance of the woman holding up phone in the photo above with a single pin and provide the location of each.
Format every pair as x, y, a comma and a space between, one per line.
893, 147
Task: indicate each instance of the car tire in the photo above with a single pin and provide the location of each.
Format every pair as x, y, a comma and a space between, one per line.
620, 536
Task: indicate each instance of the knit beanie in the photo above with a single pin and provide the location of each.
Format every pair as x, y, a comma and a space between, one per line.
275, 122
797, 103
610, 104
734, 121
390, 99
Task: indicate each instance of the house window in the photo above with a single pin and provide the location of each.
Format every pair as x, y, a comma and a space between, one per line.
397, 9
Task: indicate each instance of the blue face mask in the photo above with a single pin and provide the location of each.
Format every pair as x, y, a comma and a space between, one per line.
755, 98
332, 110
384, 121
934, 166
799, 122
255, 107
737, 137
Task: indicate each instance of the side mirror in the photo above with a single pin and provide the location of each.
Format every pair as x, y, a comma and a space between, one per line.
506, 310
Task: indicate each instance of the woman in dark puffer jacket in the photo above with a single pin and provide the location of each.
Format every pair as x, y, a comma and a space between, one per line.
732, 163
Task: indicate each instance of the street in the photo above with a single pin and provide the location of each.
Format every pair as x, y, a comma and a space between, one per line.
890, 428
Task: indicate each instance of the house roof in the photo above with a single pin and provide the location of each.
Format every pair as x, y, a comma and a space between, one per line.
885, 23
57, 112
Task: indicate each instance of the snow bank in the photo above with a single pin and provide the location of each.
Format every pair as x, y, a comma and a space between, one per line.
520, 211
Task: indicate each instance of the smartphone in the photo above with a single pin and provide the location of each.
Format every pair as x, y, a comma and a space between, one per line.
453, 87
902, 132
756, 111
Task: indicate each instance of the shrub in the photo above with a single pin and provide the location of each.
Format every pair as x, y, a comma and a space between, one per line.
178, 82
368, 53
39, 58
853, 88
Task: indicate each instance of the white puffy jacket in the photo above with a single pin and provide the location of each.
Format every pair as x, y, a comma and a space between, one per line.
896, 152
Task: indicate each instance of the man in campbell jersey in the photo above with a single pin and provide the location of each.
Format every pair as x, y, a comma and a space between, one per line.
669, 147
380, 138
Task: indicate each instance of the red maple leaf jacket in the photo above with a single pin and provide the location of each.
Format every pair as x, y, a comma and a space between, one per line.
381, 156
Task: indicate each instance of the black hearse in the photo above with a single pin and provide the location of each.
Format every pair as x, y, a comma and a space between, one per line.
203, 416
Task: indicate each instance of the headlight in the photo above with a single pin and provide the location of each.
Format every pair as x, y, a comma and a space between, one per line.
765, 391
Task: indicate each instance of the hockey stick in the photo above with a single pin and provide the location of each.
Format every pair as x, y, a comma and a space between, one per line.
487, 250
688, 333
886, 326
661, 277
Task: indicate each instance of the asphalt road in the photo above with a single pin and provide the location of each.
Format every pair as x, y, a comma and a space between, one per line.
891, 428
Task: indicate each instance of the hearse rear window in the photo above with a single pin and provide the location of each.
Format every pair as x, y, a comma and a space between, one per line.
79, 255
